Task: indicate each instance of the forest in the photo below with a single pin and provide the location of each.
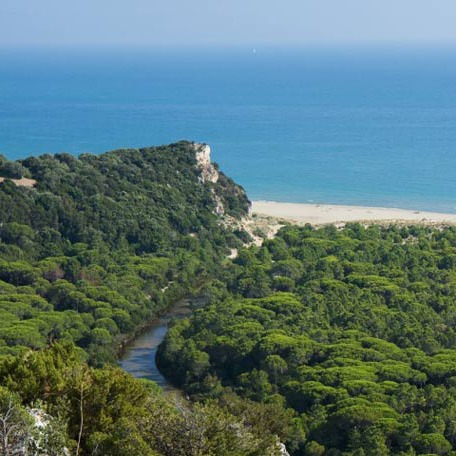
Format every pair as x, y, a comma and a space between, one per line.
103, 243
98, 247
350, 330
330, 341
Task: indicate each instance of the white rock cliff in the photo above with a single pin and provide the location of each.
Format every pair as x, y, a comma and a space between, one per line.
208, 173
203, 162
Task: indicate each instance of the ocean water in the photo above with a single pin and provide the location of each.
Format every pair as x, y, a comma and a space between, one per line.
346, 126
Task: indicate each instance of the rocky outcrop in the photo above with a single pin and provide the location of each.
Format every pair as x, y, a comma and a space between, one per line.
43, 437
203, 162
283, 449
208, 173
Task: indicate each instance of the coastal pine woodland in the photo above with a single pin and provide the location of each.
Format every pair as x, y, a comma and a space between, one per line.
319, 342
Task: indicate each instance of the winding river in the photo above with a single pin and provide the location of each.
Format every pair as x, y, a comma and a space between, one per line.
138, 358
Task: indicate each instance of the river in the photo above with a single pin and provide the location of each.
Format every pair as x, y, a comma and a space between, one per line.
138, 358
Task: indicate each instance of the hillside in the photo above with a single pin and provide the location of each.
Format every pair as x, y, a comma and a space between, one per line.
86, 252
96, 248
331, 341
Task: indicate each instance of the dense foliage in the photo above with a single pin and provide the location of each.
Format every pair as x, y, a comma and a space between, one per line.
336, 342
97, 248
104, 243
107, 412
352, 329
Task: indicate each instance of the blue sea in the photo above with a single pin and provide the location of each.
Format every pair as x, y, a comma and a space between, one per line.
346, 126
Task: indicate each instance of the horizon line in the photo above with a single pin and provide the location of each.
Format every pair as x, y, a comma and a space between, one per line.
387, 45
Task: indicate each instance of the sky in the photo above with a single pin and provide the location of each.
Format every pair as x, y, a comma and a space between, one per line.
249, 23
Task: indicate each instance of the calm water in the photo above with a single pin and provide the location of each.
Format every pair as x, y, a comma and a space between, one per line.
139, 357
363, 127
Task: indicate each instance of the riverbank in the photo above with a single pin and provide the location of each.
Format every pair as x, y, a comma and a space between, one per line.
324, 214
138, 357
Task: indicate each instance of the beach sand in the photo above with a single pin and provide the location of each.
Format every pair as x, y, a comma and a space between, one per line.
323, 214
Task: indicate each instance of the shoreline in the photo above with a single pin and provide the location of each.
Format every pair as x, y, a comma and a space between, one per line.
326, 214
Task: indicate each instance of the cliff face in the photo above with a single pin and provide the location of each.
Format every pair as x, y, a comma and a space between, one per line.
208, 173
229, 198
203, 161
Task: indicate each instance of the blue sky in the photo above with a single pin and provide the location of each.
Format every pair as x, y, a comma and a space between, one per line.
226, 22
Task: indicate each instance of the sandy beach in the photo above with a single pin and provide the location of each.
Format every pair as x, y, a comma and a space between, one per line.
322, 214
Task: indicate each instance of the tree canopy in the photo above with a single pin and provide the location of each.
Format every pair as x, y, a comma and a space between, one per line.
352, 329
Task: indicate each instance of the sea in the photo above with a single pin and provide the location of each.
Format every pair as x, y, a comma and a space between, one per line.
361, 126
